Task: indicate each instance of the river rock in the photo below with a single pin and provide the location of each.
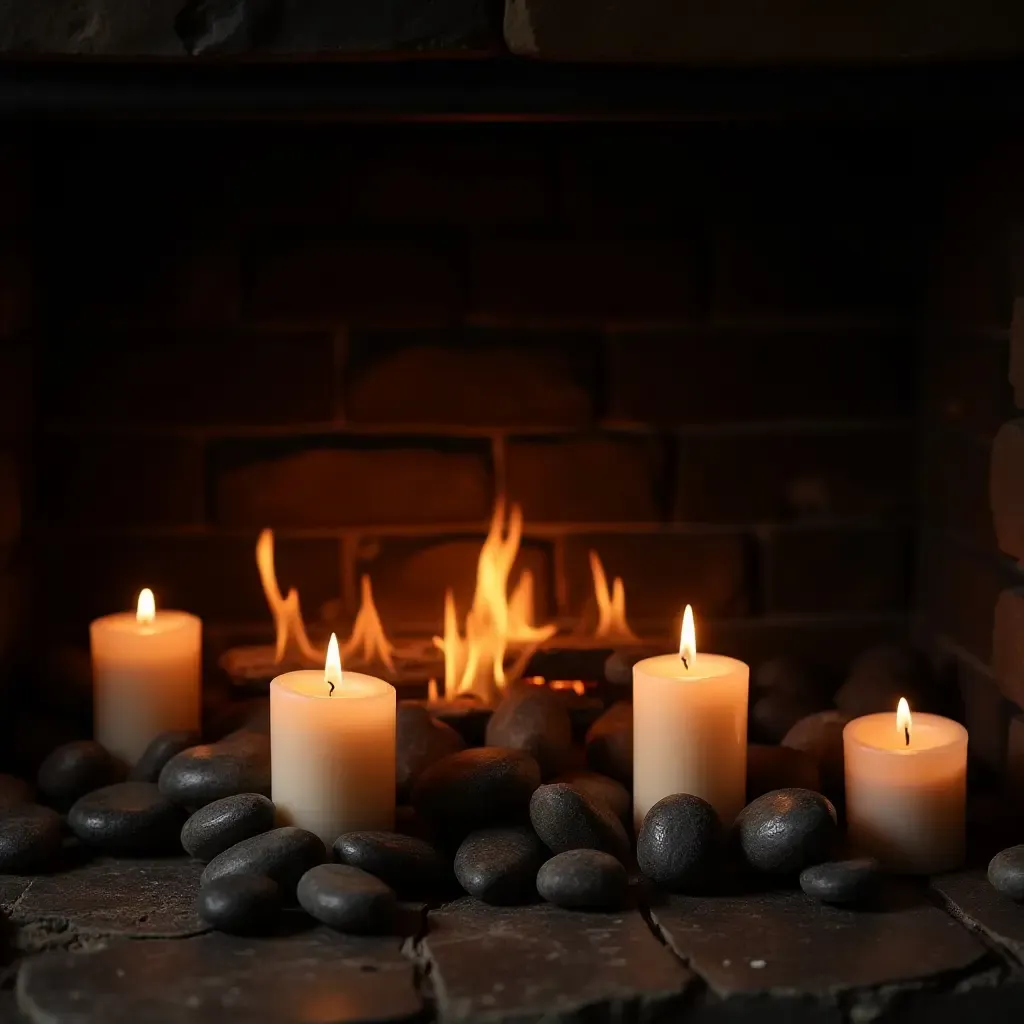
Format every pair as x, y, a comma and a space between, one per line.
603, 788
241, 904
467, 717
283, 854
14, 792
774, 714
680, 842
880, 676
770, 767
567, 819
534, 719
74, 769
477, 787
412, 867
348, 899
583, 880
159, 752
420, 740
844, 882
225, 822
499, 865
1006, 872
239, 763
820, 736
30, 839
786, 830
128, 818
610, 743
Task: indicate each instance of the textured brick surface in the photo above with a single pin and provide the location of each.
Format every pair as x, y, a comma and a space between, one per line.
1017, 352
1008, 644
314, 483
1007, 488
987, 713
481, 378
809, 569
953, 469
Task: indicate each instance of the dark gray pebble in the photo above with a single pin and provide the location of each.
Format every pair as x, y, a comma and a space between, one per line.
241, 904
159, 752
845, 882
239, 763
130, 818
412, 867
567, 819
603, 788
786, 830
14, 792
680, 842
283, 854
1006, 872
467, 718
420, 740
74, 769
220, 825
348, 899
610, 743
30, 839
770, 767
499, 865
534, 719
583, 880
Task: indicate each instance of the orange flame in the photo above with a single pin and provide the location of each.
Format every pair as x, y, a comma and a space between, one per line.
904, 721
368, 641
611, 607
332, 665
290, 629
688, 639
145, 610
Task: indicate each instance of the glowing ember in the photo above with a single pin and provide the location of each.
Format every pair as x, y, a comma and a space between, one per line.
368, 641
578, 686
611, 608
292, 638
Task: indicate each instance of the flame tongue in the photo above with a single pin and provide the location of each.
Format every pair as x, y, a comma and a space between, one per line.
688, 639
289, 627
904, 721
368, 639
611, 607
332, 665
145, 611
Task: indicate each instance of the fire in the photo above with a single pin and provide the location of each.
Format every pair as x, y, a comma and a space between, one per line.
611, 608
904, 722
368, 640
688, 639
332, 665
290, 629
576, 685
145, 611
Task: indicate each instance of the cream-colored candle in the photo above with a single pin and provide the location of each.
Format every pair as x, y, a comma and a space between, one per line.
690, 728
332, 749
906, 790
146, 669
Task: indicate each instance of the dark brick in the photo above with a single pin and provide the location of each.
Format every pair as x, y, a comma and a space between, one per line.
1017, 352
194, 378
691, 376
813, 569
777, 476
586, 479
410, 577
324, 482
108, 481
11, 471
987, 713
661, 574
16, 390
15, 183
15, 286
588, 280
1008, 645
483, 378
302, 279
213, 576
1007, 488
954, 484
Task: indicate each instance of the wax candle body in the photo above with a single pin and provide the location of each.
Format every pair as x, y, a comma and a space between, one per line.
333, 756
690, 732
146, 679
905, 804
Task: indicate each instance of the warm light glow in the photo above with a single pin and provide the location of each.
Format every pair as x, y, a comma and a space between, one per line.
688, 639
904, 722
332, 666
146, 610
368, 642
432, 691
288, 624
611, 607
576, 685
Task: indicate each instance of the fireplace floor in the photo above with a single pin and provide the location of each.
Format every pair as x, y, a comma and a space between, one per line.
74, 949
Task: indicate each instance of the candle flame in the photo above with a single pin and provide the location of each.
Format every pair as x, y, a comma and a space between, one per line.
332, 667
903, 720
688, 639
146, 609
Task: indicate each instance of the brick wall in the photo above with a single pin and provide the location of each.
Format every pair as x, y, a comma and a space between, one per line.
683, 346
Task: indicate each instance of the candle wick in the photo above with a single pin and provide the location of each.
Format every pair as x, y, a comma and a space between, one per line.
906, 732
686, 664
331, 694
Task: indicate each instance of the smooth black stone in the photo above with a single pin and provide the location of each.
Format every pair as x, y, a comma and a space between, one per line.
420, 740
159, 752
348, 899
412, 867
1006, 872
241, 904
786, 830
583, 880
74, 769
770, 767
533, 719
680, 842
499, 865
880, 676
131, 818
239, 763
477, 787
468, 720
820, 736
610, 743
30, 839
602, 788
14, 792
220, 825
283, 854
773, 715
568, 819
847, 882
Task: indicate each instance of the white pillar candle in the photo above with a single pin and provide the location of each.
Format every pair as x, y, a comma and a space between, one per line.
146, 668
906, 790
690, 728
332, 749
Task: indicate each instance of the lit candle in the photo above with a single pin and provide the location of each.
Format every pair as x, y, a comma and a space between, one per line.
906, 789
690, 728
146, 668
332, 749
